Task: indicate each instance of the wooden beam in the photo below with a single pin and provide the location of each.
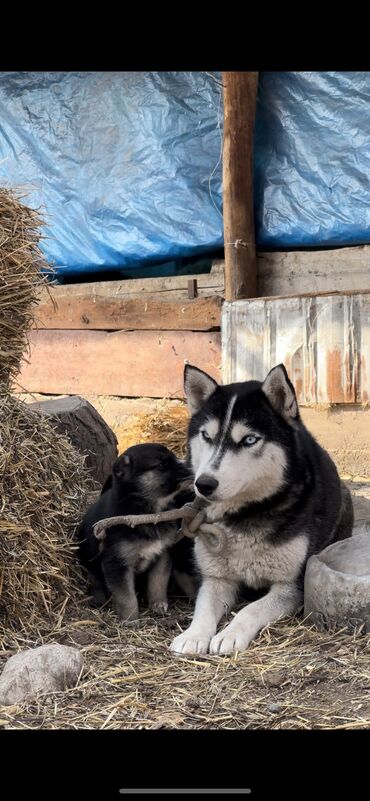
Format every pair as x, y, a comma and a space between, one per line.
314, 271
240, 94
88, 310
173, 286
127, 364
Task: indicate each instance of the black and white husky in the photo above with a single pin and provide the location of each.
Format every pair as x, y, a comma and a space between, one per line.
274, 491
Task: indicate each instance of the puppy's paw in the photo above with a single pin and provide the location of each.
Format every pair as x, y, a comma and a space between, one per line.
159, 608
97, 599
231, 639
191, 642
127, 615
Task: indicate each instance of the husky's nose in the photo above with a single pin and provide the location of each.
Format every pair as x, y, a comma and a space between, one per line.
206, 484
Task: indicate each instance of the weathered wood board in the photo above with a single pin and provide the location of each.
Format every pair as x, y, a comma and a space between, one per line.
135, 304
88, 310
127, 364
296, 272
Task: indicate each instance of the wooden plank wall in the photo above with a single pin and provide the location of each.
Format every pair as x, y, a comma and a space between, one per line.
128, 338
131, 337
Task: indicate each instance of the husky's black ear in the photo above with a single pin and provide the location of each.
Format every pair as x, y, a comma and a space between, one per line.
281, 394
199, 386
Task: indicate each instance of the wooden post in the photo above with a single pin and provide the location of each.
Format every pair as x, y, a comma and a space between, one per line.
240, 93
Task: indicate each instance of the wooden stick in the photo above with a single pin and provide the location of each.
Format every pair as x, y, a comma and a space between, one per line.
240, 94
187, 511
192, 512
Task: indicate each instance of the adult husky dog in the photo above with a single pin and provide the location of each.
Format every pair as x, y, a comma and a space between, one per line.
275, 493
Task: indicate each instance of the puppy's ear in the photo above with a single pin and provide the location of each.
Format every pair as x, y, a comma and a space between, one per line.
122, 467
280, 392
107, 485
198, 386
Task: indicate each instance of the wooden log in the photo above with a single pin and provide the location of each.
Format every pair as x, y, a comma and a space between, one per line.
111, 311
88, 432
240, 93
127, 364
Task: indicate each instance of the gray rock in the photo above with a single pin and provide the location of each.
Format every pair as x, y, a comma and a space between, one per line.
337, 583
49, 668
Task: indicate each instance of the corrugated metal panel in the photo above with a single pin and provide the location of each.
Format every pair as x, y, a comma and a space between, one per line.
324, 342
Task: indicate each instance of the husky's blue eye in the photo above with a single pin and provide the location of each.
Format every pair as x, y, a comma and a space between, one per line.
206, 436
249, 440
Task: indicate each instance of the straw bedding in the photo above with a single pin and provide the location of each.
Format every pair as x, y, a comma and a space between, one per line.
166, 424
291, 677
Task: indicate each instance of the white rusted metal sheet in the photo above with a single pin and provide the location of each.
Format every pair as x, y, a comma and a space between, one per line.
323, 341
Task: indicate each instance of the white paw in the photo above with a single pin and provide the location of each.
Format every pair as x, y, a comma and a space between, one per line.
191, 643
231, 639
159, 607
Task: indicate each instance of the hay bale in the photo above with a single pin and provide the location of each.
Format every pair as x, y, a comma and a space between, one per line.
20, 278
43, 494
167, 425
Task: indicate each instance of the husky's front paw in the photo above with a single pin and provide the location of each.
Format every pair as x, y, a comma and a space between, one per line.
231, 639
191, 642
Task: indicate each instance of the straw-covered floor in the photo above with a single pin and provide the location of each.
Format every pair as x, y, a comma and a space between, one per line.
291, 677
167, 424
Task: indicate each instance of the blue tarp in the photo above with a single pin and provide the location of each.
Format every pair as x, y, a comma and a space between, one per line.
119, 161
312, 159
127, 165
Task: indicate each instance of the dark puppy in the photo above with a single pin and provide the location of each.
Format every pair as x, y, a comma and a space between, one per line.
144, 480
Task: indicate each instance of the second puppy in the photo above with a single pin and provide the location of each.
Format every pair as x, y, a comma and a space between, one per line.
145, 479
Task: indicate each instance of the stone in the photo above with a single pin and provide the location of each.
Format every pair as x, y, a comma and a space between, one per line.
47, 669
337, 583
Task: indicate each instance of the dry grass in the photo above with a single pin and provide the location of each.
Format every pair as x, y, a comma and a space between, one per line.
291, 677
167, 425
43, 493
20, 278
